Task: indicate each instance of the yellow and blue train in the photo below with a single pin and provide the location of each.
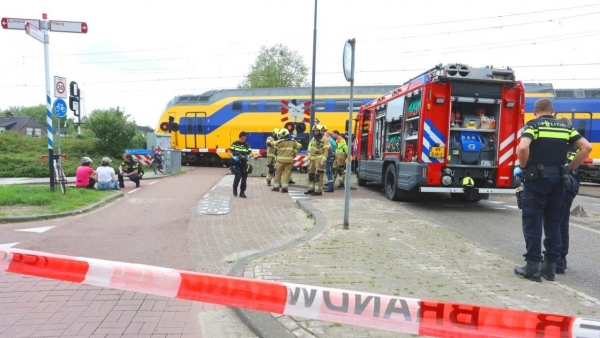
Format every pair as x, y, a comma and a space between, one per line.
582, 106
204, 126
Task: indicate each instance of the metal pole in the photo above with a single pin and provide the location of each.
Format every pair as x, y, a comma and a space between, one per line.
48, 101
314, 65
348, 179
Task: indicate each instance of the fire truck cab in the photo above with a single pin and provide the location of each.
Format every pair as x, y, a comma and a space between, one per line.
452, 129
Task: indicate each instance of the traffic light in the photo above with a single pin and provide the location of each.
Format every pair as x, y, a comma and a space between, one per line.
74, 105
289, 126
164, 126
172, 126
300, 128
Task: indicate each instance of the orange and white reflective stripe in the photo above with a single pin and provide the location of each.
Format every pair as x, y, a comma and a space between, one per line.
397, 314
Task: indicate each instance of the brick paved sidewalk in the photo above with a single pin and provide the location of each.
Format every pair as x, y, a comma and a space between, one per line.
392, 251
35, 307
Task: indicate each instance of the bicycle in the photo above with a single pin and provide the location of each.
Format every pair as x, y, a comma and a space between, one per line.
157, 163
59, 175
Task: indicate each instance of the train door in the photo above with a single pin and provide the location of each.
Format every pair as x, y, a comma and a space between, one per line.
193, 128
582, 122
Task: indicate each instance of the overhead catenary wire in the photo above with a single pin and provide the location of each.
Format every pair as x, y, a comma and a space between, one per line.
436, 23
319, 73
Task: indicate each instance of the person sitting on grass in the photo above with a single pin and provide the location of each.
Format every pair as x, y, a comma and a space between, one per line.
107, 179
86, 176
131, 169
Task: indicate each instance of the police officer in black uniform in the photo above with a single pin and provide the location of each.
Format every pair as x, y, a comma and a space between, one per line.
240, 152
570, 194
543, 150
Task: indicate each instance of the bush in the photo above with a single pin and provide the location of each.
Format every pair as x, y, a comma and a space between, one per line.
21, 156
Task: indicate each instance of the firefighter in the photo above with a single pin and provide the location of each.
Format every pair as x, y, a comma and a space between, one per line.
317, 155
271, 140
570, 194
542, 150
240, 152
341, 154
286, 148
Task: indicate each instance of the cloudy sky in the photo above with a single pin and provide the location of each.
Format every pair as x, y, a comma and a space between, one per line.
140, 54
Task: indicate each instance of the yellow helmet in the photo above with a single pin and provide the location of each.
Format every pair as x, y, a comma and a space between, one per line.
276, 131
283, 133
319, 127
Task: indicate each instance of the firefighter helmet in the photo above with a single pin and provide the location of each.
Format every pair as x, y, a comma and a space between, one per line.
283, 133
275, 131
319, 128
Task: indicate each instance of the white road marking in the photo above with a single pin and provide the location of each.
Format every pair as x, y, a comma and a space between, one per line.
151, 183
496, 202
134, 190
500, 208
584, 227
38, 230
513, 206
8, 245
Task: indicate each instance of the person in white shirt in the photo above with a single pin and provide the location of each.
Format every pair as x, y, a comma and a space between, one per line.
107, 179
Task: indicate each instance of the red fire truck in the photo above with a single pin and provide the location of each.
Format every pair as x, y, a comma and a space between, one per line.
452, 129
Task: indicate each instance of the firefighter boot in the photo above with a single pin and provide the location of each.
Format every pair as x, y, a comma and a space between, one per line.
329, 187
275, 189
548, 269
531, 271
284, 190
561, 266
341, 185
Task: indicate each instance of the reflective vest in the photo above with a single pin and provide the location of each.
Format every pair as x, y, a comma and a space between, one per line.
342, 147
571, 155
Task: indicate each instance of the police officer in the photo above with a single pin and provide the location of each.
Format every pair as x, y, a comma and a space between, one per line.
286, 148
317, 154
570, 194
240, 152
542, 153
271, 140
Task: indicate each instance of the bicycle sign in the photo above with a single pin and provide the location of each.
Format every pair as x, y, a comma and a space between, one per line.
60, 108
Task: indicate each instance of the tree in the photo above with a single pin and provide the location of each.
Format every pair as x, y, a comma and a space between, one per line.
112, 129
276, 67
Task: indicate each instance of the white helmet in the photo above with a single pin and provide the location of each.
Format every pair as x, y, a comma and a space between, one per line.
86, 160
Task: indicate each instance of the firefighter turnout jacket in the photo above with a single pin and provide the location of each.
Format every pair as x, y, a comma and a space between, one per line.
271, 148
287, 150
317, 151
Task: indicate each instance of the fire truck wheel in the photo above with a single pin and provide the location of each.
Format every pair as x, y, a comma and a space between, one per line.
392, 192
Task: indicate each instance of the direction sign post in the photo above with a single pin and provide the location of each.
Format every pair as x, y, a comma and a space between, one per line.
38, 29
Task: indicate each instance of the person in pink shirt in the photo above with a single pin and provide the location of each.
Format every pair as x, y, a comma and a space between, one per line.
85, 174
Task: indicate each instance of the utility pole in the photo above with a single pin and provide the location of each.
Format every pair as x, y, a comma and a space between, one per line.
314, 65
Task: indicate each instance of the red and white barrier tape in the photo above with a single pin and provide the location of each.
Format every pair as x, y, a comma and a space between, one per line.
398, 314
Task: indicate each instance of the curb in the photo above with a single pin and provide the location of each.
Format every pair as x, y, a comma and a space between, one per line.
19, 219
263, 324
181, 172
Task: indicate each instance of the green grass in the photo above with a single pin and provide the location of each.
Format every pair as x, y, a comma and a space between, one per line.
21, 156
19, 200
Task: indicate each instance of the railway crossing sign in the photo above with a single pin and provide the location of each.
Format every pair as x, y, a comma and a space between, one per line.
296, 110
60, 87
60, 108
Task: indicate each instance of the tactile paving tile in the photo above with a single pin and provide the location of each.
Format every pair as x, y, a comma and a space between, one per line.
217, 205
226, 181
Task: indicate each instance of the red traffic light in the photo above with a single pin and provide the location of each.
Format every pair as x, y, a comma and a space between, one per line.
164, 126
289, 126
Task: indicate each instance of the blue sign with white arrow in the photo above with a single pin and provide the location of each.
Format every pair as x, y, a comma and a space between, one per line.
60, 108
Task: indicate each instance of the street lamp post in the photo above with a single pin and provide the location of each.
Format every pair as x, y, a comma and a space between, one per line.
348, 66
314, 64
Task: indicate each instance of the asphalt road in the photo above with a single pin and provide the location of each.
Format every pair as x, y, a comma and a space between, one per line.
496, 224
